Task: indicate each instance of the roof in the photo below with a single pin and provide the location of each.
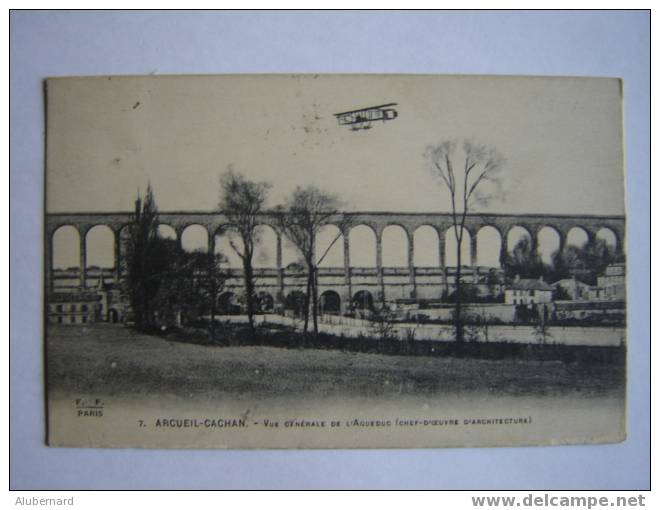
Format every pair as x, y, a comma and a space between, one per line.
530, 284
571, 280
365, 109
617, 269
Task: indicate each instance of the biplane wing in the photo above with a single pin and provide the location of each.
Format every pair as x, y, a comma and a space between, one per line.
362, 118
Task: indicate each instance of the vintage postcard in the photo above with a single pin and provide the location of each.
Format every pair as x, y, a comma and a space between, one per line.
334, 261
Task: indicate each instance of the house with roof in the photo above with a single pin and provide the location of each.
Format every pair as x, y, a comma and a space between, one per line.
528, 292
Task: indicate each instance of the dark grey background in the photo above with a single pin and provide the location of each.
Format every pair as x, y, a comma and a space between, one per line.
537, 43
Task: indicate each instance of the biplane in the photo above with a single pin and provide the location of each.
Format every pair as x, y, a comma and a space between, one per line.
362, 118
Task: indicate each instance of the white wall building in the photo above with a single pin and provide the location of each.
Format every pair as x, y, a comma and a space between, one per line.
528, 291
612, 284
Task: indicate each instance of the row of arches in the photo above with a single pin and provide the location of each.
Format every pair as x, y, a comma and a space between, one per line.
397, 247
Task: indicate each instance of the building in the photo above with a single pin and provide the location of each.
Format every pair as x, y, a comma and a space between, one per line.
576, 289
75, 305
611, 284
528, 292
78, 307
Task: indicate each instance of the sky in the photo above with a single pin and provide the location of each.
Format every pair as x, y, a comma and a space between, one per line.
107, 137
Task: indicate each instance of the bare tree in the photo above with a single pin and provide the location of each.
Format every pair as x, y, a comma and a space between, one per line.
305, 213
470, 179
242, 201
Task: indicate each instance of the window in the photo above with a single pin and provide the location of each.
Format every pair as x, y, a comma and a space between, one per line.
515, 301
59, 320
531, 292
84, 319
73, 320
83, 308
73, 308
59, 308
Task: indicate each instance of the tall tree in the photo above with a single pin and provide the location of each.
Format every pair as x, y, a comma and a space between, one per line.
525, 261
242, 201
586, 262
470, 178
301, 218
145, 259
192, 285
175, 299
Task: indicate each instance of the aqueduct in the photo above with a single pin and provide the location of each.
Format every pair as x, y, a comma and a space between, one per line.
413, 277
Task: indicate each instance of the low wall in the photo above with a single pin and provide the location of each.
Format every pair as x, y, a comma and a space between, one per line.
500, 311
348, 327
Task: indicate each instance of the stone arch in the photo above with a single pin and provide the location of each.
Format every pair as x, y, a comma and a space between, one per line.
100, 247
329, 244
113, 316
290, 253
515, 234
226, 242
489, 246
548, 243
577, 236
66, 247
229, 244
394, 246
363, 300
330, 302
194, 237
166, 231
265, 250
362, 246
610, 237
426, 245
451, 244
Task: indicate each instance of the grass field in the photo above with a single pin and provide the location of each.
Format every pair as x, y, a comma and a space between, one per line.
114, 360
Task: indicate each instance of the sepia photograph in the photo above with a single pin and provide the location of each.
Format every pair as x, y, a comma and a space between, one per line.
334, 261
